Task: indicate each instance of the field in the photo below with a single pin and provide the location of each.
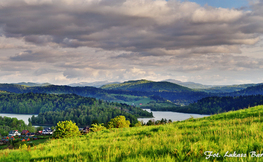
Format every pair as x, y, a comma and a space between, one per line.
238, 133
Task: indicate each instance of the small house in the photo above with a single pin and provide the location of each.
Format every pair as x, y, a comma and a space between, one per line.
25, 132
47, 131
14, 133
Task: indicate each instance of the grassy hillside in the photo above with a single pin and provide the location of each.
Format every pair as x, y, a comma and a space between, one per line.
226, 133
148, 86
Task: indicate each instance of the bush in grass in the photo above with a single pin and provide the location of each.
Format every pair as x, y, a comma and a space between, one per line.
119, 122
138, 124
65, 129
96, 127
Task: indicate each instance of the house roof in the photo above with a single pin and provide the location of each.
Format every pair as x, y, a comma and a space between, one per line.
24, 131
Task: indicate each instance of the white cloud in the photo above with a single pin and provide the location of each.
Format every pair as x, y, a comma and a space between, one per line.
66, 41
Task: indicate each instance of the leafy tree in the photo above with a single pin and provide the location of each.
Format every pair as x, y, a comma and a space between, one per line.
119, 122
40, 128
150, 122
66, 129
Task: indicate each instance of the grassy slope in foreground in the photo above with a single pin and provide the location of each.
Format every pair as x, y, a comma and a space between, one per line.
239, 131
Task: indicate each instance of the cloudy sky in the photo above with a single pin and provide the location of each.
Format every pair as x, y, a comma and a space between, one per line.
68, 41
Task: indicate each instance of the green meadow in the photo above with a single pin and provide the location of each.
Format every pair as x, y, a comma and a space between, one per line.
236, 134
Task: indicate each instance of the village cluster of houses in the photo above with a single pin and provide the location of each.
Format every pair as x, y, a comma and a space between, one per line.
26, 132
25, 135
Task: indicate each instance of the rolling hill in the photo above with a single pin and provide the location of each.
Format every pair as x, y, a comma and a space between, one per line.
141, 89
147, 86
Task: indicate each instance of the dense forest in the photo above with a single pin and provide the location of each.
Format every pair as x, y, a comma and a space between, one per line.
84, 115
213, 105
7, 124
56, 107
31, 103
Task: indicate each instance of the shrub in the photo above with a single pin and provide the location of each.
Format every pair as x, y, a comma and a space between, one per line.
119, 122
65, 129
138, 124
96, 127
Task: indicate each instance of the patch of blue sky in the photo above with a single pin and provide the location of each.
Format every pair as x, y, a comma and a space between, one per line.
222, 3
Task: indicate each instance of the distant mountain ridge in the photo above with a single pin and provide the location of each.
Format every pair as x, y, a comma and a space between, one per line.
31, 84
97, 84
191, 85
213, 88
228, 88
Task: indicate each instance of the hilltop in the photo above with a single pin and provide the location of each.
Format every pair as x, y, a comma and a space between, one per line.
147, 86
226, 133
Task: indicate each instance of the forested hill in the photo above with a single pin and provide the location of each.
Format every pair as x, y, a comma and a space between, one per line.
148, 86
253, 90
50, 89
172, 92
213, 105
228, 88
130, 90
31, 103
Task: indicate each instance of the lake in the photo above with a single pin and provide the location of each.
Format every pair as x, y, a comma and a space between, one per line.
158, 115
24, 117
174, 116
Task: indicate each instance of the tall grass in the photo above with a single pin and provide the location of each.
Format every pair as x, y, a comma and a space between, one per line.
239, 132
